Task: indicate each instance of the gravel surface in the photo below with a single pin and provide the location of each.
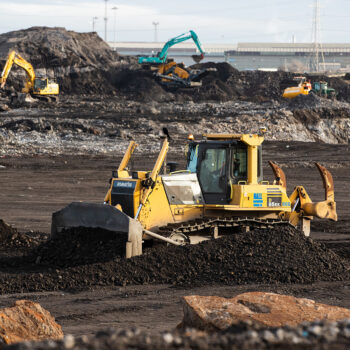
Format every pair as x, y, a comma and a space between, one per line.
316, 335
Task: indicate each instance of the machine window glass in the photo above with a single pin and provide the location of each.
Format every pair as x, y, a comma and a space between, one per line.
40, 84
192, 159
239, 166
213, 170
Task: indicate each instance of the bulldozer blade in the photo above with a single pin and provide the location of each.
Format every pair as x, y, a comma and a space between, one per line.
103, 216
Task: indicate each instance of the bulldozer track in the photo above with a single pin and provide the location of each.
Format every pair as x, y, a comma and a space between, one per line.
193, 226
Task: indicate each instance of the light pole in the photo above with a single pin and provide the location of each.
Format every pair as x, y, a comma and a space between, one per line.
156, 24
115, 8
105, 19
93, 22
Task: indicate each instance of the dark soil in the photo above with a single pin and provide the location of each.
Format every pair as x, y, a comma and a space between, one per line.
11, 238
78, 261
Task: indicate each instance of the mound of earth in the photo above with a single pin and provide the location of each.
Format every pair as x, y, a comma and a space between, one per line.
11, 238
279, 255
46, 47
79, 62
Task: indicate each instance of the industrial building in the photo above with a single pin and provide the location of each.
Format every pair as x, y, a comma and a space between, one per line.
251, 56
332, 57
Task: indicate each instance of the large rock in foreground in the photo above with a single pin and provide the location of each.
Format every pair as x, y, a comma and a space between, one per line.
27, 320
266, 309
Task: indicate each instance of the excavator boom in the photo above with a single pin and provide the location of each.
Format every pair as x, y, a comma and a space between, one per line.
33, 85
163, 54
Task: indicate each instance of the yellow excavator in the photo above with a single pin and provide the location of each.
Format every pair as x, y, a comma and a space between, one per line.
222, 190
41, 88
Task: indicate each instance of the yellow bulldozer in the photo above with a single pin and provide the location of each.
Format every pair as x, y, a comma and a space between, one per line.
40, 88
222, 190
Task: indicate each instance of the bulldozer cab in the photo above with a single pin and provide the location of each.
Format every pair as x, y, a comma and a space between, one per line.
219, 165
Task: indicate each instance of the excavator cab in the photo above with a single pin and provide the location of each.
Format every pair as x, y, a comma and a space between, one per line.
44, 86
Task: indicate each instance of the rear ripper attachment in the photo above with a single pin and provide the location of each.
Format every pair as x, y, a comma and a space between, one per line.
220, 191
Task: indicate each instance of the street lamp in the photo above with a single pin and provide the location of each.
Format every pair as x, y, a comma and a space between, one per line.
115, 8
105, 19
93, 22
156, 24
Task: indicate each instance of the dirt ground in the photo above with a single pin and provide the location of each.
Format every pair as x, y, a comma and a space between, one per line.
34, 187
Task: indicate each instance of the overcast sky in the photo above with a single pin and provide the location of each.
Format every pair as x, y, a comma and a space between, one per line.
220, 21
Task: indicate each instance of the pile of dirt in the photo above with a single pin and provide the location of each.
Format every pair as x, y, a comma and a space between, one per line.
279, 255
11, 238
46, 47
79, 62
80, 246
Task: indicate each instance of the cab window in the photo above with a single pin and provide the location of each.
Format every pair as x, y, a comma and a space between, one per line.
239, 162
212, 170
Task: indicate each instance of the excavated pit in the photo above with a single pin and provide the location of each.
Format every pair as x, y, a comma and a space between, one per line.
84, 259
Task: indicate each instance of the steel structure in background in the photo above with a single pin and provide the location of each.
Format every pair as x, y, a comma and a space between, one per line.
317, 57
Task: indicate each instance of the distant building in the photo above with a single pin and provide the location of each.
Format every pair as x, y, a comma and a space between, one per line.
251, 56
181, 52
248, 56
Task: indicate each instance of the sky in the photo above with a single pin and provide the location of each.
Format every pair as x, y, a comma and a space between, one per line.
220, 21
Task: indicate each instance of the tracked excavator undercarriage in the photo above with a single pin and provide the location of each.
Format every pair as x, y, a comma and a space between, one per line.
221, 191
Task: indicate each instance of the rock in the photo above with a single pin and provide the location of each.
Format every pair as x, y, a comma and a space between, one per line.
25, 321
265, 309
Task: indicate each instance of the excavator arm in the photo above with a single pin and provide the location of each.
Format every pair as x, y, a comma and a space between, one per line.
15, 58
163, 54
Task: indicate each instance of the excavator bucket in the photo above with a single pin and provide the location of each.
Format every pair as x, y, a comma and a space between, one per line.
103, 216
197, 58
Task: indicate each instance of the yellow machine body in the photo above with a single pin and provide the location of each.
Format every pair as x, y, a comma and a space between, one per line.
158, 200
33, 85
170, 69
302, 88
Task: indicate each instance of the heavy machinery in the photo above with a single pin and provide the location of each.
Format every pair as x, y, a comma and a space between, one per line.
162, 56
295, 87
221, 190
41, 88
173, 75
320, 88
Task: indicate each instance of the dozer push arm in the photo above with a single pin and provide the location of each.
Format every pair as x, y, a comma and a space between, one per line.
148, 183
127, 155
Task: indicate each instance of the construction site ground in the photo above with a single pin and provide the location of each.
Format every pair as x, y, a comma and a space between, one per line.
37, 186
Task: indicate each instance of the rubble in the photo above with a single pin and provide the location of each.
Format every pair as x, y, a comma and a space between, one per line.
309, 336
212, 313
26, 321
